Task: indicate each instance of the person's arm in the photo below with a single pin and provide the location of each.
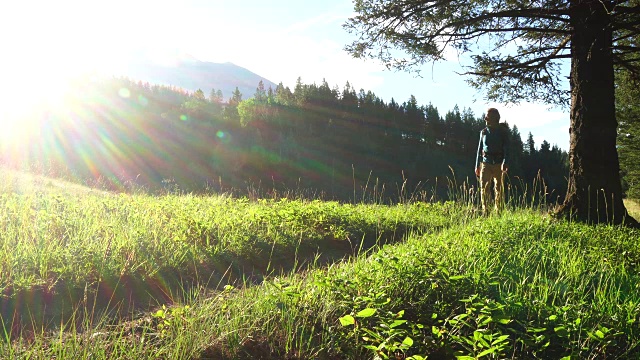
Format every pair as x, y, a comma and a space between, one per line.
478, 154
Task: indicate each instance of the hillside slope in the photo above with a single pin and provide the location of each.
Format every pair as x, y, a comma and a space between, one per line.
191, 74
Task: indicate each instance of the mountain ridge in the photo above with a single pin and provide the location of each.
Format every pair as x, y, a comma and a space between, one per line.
192, 74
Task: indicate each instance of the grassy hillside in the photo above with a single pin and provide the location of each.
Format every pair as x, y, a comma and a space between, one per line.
63, 244
88, 274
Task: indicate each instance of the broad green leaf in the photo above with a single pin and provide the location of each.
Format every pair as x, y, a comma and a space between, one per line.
347, 320
486, 352
500, 339
486, 321
397, 323
502, 319
366, 313
536, 330
435, 331
561, 331
407, 341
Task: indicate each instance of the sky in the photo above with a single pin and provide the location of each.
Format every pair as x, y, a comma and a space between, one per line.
45, 42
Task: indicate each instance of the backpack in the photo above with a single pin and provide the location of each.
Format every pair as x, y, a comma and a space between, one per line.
495, 139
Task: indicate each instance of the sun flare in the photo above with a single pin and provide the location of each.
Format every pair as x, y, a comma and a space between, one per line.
48, 45
27, 93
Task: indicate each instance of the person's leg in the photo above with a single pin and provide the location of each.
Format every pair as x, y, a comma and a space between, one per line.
485, 180
499, 188
491, 194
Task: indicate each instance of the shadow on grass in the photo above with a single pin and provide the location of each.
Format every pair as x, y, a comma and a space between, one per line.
26, 313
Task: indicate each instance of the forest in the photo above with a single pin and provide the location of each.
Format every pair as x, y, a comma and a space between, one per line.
315, 139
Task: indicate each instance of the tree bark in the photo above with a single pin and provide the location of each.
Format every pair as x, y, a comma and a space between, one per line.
595, 192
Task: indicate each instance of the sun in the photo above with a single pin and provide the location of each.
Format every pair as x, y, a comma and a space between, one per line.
28, 89
46, 46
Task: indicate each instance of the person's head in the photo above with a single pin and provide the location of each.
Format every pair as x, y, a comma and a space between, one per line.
493, 117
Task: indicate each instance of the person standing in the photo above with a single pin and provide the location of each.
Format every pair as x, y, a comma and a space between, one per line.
491, 160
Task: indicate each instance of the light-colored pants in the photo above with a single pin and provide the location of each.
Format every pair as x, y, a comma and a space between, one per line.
491, 174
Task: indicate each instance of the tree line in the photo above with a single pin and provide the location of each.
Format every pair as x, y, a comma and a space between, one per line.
318, 138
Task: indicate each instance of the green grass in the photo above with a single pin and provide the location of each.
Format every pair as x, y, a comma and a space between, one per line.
84, 238
552, 287
301, 279
62, 244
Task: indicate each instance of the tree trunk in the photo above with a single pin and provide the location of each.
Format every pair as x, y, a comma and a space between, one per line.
595, 192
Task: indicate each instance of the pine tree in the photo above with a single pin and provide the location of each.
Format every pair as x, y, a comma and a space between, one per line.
261, 93
230, 112
215, 96
199, 95
530, 145
236, 97
516, 152
433, 127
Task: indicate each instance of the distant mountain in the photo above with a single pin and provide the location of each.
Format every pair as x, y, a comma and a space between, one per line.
191, 74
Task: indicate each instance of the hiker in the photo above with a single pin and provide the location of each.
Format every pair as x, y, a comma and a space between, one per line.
491, 160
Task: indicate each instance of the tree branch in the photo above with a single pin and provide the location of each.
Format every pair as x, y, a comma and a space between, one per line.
527, 65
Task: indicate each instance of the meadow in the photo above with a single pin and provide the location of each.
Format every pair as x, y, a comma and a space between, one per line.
89, 274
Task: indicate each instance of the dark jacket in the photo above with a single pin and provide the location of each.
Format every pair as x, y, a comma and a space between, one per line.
494, 145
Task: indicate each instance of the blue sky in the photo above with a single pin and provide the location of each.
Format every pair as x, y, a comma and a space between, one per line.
280, 40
